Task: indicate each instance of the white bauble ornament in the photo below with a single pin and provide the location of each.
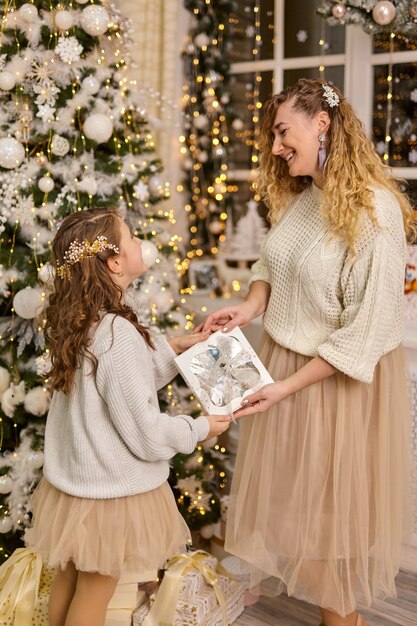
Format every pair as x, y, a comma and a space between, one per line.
149, 252
12, 153
202, 157
339, 11
238, 124
216, 227
35, 459
90, 85
28, 302
6, 524
207, 531
4, 380
64, 20
59, 146
98, 128
37, 401
201, 122
46, 273
155, 185
201, 40
6, 484
7, 81
46, 184
28, 12
82, 1
95, 20
384, 12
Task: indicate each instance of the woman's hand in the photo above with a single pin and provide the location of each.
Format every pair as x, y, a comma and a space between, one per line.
262, 399
228, 318
183, 342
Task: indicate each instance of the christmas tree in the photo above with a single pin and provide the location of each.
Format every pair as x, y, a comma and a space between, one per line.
74, 135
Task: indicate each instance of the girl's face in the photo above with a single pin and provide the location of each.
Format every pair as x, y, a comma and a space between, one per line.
296, 140
130, 257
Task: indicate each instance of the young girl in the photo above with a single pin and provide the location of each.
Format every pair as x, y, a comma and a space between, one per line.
104, 505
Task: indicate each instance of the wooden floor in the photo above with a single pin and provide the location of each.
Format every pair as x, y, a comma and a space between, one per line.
284, 611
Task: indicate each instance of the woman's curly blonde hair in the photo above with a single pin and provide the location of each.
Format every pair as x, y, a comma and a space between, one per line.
352, 166
77, 303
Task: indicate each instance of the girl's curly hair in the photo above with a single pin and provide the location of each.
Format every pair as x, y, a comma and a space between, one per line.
77, 303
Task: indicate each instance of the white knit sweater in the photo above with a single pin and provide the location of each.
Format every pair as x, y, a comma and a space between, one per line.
324, 302
108, 437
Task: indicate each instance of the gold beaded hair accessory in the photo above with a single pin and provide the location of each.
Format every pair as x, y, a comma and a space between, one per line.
78, 251
330, 96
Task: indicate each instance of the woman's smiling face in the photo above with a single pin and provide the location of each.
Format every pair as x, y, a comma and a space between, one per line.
296, 139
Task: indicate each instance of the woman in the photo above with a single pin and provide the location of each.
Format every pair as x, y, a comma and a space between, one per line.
320, 478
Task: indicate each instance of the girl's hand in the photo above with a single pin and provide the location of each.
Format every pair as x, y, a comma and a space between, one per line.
228, 318
183, 342
218, 425
262, 399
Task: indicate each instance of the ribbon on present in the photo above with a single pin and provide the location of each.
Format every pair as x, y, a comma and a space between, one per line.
163, 609
19, 585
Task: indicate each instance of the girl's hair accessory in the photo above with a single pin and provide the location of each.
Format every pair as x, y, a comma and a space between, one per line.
78, 251
330, 96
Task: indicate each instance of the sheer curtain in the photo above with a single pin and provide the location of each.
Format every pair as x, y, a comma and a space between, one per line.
159, 28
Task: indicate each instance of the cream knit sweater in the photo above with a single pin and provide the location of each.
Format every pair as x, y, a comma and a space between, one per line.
108, 437
324, 302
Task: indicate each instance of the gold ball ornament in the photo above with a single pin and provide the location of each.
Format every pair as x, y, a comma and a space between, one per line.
216, 227
339, 11
384, 12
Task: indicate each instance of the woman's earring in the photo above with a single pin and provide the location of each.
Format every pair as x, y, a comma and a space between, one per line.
322, 151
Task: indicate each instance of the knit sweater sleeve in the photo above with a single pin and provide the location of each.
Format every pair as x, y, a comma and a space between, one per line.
123, 383
260, 269
164, 368
372, 285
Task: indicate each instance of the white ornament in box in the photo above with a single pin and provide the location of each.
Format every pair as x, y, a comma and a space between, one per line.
222, 370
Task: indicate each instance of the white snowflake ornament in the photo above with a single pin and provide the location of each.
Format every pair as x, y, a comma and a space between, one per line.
412, 156
46, 113
141, 191
302, 36
68, 49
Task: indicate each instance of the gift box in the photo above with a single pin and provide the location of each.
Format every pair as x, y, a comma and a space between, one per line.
195, 591
222, 370
119, 617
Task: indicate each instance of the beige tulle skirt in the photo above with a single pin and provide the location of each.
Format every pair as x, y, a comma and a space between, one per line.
320, 485
135, 533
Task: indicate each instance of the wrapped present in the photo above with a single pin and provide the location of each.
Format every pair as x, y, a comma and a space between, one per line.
24, 589
126, 600
220, 600
222, 370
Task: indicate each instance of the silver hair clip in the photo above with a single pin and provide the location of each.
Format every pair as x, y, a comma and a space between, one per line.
330, 96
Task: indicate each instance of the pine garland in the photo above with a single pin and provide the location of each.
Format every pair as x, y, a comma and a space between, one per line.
360, 12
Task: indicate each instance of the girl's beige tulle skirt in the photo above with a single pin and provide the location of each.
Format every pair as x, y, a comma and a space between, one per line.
135, 533
320, 485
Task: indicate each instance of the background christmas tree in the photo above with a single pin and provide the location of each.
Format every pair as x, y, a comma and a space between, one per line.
73, 135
